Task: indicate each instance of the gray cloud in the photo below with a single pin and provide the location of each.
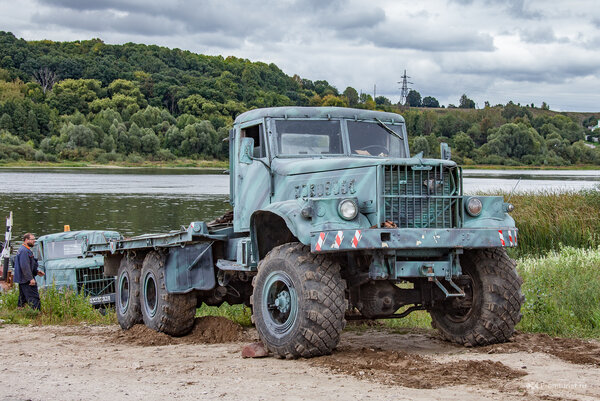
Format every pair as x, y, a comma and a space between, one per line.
540, 35
550, 69
514, 8
517, 9
424, 37
101, 20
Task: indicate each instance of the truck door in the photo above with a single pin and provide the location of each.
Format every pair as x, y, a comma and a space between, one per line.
252, 180
38, 253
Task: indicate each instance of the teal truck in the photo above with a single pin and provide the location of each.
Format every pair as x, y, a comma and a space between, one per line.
63, 260
332, 219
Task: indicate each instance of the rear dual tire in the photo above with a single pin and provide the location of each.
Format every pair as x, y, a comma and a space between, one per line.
172, 314
127, 301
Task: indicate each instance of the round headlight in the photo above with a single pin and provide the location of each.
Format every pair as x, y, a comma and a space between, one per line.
474, 206
348, 209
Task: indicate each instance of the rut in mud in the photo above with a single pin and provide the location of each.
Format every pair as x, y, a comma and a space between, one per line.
410, 370
571, 350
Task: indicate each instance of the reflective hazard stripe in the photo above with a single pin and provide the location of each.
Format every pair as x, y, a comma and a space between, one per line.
320, 241
501, 237
338, 240
356, 239
510, 238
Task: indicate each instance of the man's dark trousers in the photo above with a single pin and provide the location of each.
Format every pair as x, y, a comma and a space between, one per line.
29, 294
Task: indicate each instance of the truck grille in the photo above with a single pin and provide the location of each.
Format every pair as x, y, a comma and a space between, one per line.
92, 282
422, 196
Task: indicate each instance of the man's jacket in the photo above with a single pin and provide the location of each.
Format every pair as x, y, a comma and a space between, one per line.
26, 266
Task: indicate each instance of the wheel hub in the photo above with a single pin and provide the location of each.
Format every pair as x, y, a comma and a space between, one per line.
124, 293
282, 302
150, 295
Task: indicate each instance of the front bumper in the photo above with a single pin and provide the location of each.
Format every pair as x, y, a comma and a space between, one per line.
412, 238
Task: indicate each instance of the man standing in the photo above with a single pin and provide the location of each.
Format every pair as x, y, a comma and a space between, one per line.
26, 268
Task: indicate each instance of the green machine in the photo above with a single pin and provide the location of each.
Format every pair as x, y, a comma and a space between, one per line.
61, 256
332, 219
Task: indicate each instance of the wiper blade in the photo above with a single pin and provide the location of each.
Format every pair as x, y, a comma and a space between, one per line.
388, 129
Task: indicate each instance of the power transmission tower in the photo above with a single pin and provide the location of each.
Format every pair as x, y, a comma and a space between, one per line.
404, 89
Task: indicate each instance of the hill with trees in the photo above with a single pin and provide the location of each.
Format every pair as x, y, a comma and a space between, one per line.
89, 101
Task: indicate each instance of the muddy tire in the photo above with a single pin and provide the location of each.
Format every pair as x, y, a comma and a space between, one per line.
127, 298
298, 302
492, 306
172, 314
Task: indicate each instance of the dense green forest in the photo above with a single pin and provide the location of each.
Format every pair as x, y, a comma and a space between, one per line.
89, 101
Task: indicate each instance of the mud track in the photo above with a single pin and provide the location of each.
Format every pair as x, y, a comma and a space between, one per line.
99, 363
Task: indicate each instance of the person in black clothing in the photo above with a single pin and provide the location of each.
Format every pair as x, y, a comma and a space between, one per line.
26, 268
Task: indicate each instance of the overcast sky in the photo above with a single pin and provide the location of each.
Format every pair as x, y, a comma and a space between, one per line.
520, 50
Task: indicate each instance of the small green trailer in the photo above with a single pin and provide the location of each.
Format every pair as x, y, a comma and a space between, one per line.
332, 219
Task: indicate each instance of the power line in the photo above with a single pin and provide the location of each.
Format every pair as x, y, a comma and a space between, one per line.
404, 89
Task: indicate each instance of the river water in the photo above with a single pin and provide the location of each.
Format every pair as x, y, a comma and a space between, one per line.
137, 201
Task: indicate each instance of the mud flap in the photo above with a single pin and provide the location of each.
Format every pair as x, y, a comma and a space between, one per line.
190, 268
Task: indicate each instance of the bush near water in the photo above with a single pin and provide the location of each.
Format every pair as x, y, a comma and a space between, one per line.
87, 101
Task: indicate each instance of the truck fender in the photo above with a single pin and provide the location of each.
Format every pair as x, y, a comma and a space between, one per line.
278, 223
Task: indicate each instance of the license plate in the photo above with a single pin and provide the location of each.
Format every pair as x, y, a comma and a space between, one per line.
102, 299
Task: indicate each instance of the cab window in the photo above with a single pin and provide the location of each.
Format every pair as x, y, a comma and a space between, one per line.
63, 249
371, 139
309, 137
256, 132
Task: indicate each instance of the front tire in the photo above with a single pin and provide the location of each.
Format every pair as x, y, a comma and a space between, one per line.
172, 314
298, 302
127, 301
492, 306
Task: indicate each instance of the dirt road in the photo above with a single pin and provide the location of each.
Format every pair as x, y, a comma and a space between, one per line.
105, 363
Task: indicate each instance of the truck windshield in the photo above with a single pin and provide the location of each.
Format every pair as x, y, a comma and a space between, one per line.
63, 249
308, 137
371, 139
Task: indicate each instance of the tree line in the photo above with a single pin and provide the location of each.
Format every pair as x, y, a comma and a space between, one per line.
87, 100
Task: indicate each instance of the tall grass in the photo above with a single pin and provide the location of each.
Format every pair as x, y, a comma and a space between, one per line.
549, 220
562, 293
58, 307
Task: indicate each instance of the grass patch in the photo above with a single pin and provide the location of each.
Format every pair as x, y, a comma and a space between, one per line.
63, 307
416, 320
562, 293
238, 313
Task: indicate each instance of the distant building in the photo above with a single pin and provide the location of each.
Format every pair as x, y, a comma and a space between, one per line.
593, 127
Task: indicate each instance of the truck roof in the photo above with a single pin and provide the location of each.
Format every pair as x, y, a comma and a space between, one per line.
92, 235
318, 112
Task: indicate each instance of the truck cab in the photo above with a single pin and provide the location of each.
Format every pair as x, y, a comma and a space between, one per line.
61, 257
341, 179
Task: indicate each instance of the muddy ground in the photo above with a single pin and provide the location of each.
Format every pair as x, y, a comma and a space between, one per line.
106, 363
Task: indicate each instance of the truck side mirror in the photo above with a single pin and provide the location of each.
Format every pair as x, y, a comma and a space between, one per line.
445, 153
246, 149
